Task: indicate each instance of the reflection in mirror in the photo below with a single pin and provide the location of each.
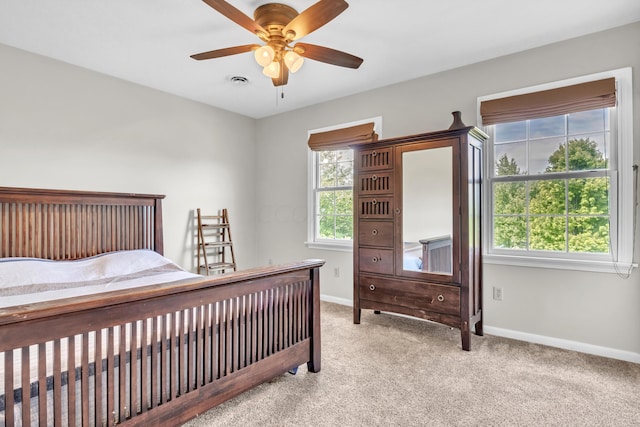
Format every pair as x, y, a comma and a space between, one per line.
427, 199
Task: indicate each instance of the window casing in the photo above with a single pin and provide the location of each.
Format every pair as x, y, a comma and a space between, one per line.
558, 190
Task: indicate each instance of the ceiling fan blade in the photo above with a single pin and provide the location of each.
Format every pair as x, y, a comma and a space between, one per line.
283, 78
327, 55
225, 52
313, 18
236, 16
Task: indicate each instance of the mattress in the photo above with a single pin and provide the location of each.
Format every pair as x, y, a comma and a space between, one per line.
31, 280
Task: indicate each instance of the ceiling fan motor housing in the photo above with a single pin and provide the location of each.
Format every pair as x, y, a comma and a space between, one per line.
274, 17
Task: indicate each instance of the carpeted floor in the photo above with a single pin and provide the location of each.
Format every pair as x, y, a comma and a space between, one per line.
396, 371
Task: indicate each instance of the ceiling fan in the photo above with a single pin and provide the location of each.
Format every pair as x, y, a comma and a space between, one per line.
278, 25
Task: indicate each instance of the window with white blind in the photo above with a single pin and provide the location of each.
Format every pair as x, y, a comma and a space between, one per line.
559, 175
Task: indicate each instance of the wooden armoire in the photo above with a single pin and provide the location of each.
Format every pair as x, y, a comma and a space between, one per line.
417, 236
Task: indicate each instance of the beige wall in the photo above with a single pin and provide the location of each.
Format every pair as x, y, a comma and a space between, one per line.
595, 312
66, 127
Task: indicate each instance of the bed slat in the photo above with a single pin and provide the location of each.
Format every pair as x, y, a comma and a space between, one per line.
71, 383
98, 394
42, 382
173, 353
26, 402
190, 374
122, 372
154, 363
8, 385
85, 381
111, 414
57, 382
144, 377
164, 393
208, 330
200, 346
134, 400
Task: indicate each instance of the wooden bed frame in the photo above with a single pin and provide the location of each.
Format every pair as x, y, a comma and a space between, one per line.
188, 347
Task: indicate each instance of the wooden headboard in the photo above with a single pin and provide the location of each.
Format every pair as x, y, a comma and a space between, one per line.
62, 224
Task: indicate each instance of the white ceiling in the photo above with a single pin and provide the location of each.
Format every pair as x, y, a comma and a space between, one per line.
149, 42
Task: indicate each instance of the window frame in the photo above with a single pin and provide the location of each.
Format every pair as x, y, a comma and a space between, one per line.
621, 183
340, 245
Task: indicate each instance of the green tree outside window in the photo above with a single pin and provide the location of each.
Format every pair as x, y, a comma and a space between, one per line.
334, 195
569, 214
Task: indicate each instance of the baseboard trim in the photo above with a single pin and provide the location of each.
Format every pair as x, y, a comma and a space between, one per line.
580, 347
336, 300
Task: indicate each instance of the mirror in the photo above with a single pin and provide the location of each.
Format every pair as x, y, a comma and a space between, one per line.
427, 205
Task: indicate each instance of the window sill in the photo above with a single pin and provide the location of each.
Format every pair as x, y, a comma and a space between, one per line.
560, 264
331, 246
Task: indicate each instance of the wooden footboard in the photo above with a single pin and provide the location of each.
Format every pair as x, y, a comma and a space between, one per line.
158, 355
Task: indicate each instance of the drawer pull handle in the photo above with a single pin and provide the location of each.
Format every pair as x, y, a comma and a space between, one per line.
374, 202
372, 287
376, 259
374, 232
374, 153
397, 211
374, 177
441, 298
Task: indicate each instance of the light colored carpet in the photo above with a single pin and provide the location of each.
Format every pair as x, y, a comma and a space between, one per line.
391, 370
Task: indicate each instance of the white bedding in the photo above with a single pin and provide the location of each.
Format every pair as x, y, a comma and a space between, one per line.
31, 280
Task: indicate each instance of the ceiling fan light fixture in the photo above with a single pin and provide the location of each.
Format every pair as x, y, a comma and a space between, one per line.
293, 61
272, 70
264, 55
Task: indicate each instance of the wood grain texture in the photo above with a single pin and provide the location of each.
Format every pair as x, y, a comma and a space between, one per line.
381, 282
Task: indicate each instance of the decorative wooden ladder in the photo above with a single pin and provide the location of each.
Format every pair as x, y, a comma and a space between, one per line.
214, 243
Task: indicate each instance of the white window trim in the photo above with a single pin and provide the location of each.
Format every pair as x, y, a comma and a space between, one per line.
332, 245
625, 210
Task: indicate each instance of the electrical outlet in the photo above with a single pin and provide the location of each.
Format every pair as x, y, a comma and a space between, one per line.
497, 294
336, 272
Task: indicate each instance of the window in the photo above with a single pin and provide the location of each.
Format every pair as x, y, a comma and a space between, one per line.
330, 224
551, 184
558, 185
334, 195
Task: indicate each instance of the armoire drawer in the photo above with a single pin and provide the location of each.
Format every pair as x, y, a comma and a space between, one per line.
378, 159
376, 233
375, 207
423, 296
375, 183
376, 260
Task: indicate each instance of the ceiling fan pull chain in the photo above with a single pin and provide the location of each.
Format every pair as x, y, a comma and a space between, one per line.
281, 88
